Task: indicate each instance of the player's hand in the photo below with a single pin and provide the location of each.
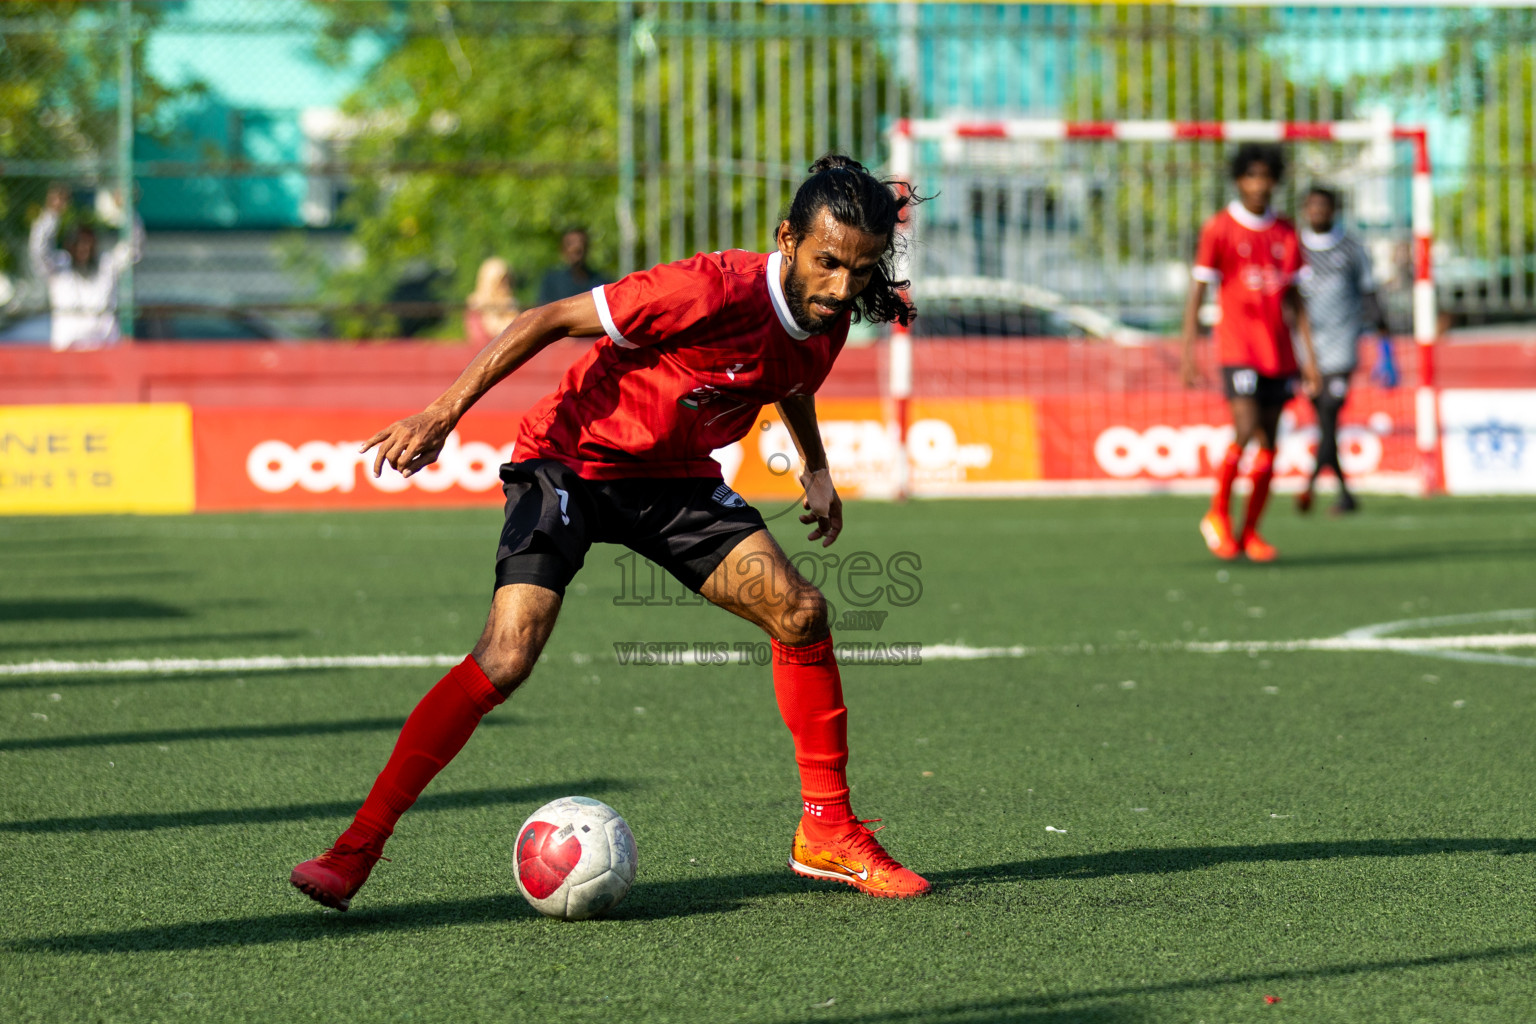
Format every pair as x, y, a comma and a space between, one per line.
412, 443
1311, 380
823, 506
1188, 371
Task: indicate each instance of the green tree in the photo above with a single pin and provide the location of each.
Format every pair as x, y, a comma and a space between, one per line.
1484, 79
491, 127
1501, 218
486, 130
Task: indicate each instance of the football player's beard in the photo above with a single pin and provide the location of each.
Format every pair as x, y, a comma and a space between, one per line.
800, 305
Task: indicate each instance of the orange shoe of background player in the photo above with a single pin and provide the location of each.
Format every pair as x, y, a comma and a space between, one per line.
1258, 549
855, 858
1218, 537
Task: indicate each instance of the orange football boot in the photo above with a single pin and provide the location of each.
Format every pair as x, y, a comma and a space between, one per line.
1218, 537
855, 858
1258, 549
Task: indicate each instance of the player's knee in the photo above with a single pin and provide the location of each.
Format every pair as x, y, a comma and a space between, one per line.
506, 665
804, 619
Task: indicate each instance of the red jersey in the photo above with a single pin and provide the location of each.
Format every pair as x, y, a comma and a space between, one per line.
694, 350
1255, 259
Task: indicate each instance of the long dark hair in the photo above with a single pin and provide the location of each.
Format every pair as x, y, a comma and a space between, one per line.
855, 198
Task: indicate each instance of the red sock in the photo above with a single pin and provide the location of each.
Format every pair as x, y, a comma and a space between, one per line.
1263, 470
810, 695
431, 736
1221, 503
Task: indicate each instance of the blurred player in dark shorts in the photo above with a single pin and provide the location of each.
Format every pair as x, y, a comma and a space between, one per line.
1340, 293
1256, 258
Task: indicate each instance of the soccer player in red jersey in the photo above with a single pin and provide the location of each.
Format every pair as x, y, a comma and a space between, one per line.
686, 355
1256, 258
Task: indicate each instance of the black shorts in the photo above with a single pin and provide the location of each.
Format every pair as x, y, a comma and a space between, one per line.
687, 526
1246, 382
1335, 389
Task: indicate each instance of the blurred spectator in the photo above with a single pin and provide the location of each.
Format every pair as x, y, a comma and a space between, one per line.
491, 306
82, 282
575, 277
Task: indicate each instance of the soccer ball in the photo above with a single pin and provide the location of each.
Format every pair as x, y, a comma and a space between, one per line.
575, 858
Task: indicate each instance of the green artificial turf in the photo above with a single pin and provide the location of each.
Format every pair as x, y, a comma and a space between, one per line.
1351, 832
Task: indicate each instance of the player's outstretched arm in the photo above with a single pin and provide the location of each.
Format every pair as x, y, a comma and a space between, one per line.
414, 443
823, 506
1187, 367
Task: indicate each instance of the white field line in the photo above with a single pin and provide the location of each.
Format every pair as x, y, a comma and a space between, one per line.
1404, 644
854, 654
1466, 619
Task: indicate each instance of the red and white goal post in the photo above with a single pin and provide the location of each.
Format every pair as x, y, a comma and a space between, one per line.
1043, 211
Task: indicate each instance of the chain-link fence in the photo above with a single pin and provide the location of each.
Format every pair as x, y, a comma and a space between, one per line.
327, 169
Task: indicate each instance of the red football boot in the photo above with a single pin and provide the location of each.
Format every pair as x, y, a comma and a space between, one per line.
334, 877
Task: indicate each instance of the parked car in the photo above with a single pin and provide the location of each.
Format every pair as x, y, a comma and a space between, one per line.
991, 307
162, 322
201, 323
35, 329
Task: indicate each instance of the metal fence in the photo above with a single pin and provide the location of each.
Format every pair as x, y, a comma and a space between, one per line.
728, 100
348, 166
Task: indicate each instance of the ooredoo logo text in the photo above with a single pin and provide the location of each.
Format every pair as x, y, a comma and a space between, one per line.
1166, 452
320, 466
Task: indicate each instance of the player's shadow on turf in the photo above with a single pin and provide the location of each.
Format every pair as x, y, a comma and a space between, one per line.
146, 678
295, 926
1002, 1011
1070, 1006
62, 577
87, 609
706, 894
65, 648
713, 895
1148, 861
152, 820
1436, 551
287, 730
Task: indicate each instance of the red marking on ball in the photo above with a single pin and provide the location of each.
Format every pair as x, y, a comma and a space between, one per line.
543, 864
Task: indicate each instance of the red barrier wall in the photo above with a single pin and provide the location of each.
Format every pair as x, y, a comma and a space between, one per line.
408, 375
277, 425
322, 375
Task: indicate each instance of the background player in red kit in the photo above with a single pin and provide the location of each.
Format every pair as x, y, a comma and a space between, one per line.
1256, 257
687, 354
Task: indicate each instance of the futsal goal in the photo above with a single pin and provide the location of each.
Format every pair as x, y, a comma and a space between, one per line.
1050, 268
